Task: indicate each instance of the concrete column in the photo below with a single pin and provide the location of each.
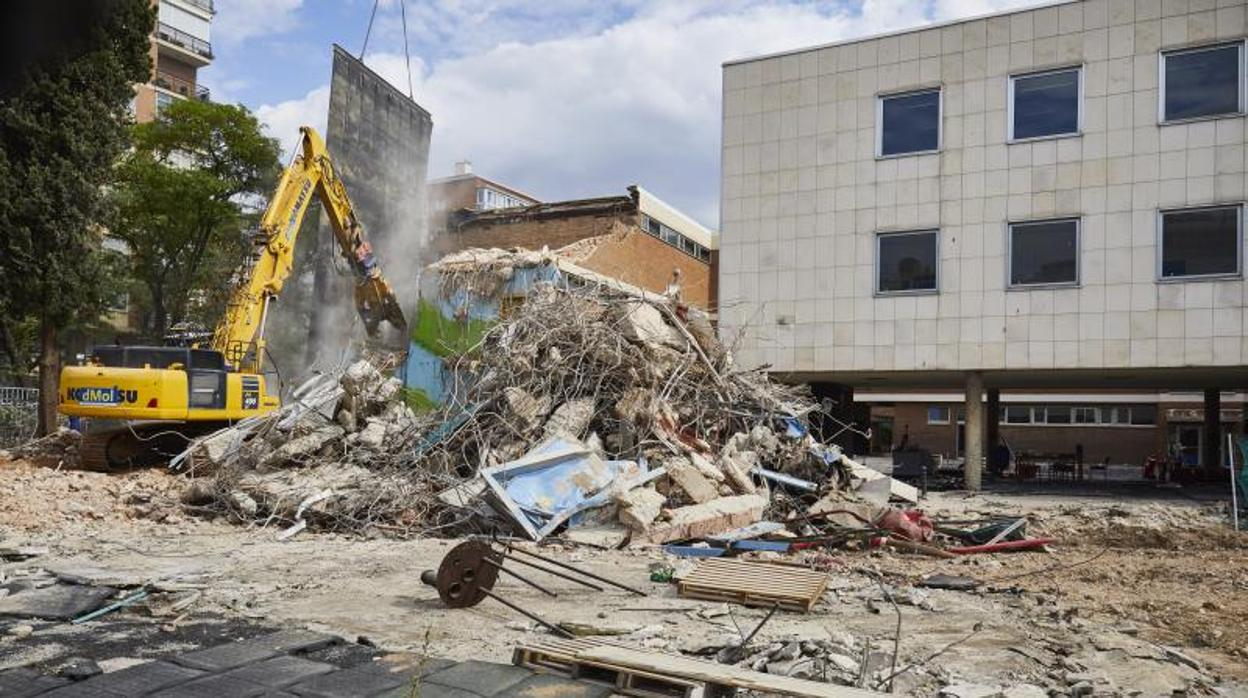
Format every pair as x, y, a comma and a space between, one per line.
992, 427
1211, 451
974, 430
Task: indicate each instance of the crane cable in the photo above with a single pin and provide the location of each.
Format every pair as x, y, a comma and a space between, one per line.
368, 32
407, 56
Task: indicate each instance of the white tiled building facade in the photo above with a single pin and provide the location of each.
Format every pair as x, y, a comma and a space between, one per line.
813, 191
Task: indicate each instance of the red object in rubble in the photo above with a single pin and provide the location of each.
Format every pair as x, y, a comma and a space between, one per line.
1004, 546
911, 524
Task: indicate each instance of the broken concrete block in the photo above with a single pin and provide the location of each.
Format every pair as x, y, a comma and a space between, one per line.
570, 419
736, 469
644, 323
634, 405
706, 467
303, 446
702, 520
360, 378
372, 436
243, 503
524, 410
346, 419
699, 488
640, 507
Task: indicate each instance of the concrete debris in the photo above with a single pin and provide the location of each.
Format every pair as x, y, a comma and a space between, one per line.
58, 448
690, 480
640, 507
703, 520
668, 433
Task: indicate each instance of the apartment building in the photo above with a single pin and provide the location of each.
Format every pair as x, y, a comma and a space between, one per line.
181, 45
1045, 198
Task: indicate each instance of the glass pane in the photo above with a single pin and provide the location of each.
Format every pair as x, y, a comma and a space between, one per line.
910, 123
1200, 242
1046, 105
1202, 83
908, 262
1044, 253
1141, 414
1058, 415
1017, 415
937, 415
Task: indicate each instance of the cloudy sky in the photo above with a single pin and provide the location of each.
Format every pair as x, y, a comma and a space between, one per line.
560, 98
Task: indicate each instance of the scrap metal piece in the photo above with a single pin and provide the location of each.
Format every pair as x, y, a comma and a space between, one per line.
465, 574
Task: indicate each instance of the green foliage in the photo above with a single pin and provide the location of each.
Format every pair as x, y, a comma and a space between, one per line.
418, 401
184, 198
62, 127
442, 336
61, 131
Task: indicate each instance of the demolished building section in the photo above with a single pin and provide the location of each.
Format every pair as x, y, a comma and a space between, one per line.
563, 398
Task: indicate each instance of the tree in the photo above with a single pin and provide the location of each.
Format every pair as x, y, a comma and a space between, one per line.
63, 125
182, 199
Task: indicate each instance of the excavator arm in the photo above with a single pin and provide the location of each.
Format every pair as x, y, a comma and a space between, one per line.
240, 334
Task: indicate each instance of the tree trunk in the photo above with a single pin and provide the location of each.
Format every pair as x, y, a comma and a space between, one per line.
17, 366
160, 315
49, 377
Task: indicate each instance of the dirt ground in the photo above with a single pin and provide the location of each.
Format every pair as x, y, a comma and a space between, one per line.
1139, 597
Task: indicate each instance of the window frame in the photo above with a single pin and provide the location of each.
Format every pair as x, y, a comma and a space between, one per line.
1161, 81
1009, 255
948, 414
1159, 243
1009, 103
879, 121
879, 235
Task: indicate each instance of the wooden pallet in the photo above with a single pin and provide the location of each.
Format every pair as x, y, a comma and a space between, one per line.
754, 584
559, 656
636, 672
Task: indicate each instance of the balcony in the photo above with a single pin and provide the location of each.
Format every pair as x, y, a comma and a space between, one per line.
179, 38
181, 86
205, 5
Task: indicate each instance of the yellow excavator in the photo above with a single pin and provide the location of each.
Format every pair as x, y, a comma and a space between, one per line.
166, 395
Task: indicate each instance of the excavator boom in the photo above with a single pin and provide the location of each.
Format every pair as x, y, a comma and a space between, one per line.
166, 395
240, 334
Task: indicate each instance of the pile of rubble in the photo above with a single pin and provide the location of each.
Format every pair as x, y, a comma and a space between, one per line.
58, 448
590, 404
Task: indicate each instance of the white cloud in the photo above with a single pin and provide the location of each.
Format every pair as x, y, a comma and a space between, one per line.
239, 20
282, 121
637, 102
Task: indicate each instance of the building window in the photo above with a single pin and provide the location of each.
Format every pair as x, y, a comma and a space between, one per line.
1143, 415
1200, 242
1044, 104
490, 199
1056, 415
163, 101
906, 262
908, 123
1085, 415
1017, 415
1202, 82
1044, 252
938, 414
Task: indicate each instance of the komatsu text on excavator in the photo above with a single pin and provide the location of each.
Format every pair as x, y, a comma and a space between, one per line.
167, 394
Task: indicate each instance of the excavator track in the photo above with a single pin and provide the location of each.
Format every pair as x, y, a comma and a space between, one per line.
138, 445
